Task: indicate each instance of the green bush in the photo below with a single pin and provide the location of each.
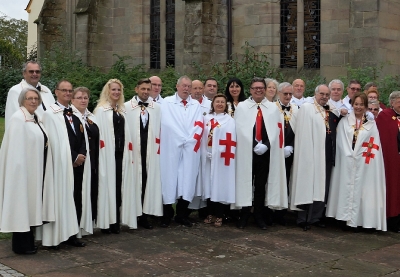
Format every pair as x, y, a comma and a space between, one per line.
59, 64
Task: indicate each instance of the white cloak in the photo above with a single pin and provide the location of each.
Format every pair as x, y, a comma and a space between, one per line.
66, 223
181, 132
276, 190
152, 203
308, 171
357, 193
106, 211
25, 198
12, 99
219, 172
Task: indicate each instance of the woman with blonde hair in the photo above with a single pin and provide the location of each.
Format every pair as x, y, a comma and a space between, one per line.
116, 196
271, 92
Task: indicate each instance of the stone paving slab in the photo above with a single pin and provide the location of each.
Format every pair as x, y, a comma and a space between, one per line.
204, 250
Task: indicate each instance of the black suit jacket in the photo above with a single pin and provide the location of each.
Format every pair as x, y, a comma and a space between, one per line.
330, 140
76, 139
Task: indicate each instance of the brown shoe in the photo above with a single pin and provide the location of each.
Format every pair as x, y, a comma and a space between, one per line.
209, 219
218, 222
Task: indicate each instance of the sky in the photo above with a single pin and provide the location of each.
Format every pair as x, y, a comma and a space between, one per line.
14, 8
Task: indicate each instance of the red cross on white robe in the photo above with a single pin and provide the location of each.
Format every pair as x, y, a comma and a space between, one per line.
198, 136
228, 143
370, 145
158, 142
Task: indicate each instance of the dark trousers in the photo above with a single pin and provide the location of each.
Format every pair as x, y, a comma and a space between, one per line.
216, 209
118, 183
278, 214
23, 241
78, 177
260, 177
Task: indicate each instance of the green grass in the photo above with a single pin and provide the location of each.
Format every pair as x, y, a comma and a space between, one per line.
1, 128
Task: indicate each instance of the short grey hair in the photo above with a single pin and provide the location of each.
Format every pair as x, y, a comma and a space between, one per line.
336, 81
269, 80
182, 78
284, 85
24, 65
393, 96
24, 91
317, 88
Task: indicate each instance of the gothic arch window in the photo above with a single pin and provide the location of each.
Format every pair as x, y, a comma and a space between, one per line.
309, 49
162, 52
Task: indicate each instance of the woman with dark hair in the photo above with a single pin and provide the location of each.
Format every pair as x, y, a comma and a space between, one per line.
26, 175
234, 93
218, 165
357, 194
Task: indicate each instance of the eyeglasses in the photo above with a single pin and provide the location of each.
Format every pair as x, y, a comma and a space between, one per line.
287, 94
373, 109
34, 71
32, 99
372, 97
82, 98
65, 90
258, 88
355, 89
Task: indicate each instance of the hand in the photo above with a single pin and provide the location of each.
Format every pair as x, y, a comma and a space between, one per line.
209, 155
260, 148
79, 160
288, 151
344, 112
370, 116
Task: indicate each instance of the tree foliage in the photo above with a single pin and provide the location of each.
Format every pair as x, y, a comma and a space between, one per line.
13, 40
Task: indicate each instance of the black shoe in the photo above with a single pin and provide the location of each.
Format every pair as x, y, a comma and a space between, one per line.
106, 231
145, 224
319, 224
28, 252
242, 222
165, 221
75, 242
115, 228
183, 221
261, 224
57, 247
304, 226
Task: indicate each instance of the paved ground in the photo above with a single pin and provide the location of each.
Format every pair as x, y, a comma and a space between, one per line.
209, 251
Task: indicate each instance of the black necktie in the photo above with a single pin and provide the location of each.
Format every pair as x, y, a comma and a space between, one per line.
38, 88
285, 108
68, 111
326, 107
143, 104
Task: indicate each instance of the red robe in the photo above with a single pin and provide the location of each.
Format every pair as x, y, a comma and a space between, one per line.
388, 130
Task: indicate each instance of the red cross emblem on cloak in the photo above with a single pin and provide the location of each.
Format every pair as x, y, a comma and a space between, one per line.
370, 145
198, 136
228, 143
102, 144
280, 135
158, 142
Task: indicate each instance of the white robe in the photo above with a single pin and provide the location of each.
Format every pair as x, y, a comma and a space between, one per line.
12, 104
107, 213
308, 171
219, 172
346, 103
25, 198
66, 223
152, 203
181, 132
297, 102
276, 189
357, 193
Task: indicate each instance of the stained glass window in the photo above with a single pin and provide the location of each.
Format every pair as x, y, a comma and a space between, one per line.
170, 33
312, 27
155, 59
288, 33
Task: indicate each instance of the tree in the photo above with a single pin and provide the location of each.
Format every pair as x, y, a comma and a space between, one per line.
13, 41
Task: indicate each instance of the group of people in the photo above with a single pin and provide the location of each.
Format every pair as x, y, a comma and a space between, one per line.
65, 170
